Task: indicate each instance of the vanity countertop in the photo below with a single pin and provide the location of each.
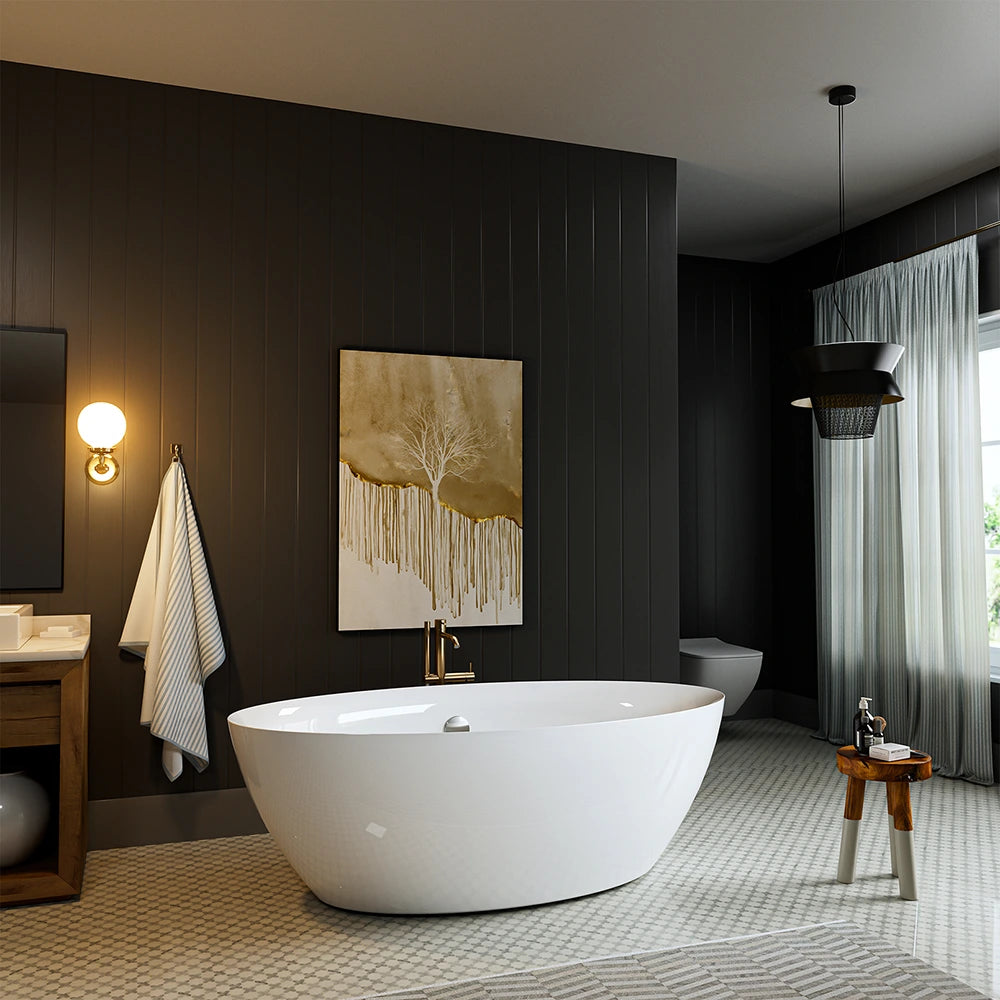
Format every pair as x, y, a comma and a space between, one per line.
61, 648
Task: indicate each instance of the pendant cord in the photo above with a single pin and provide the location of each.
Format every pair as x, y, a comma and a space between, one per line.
841, 264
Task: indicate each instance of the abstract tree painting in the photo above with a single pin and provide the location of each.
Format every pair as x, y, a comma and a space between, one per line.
430, 505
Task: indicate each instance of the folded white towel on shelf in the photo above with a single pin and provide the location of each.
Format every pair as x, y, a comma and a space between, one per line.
172, 622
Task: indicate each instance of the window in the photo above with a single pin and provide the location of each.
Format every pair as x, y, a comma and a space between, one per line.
989, 402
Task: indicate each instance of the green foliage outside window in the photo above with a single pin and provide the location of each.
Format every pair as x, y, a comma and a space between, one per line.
992, 523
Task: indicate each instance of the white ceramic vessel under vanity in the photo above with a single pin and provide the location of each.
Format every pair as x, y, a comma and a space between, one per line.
559, 789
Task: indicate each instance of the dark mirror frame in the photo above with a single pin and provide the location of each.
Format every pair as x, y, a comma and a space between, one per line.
32, 457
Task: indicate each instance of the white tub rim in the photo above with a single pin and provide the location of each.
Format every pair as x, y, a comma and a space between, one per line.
714, 696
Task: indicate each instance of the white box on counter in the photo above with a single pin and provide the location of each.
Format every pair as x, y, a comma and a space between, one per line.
15, 625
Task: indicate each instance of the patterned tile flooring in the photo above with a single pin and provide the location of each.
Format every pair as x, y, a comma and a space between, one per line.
830, 962
757, 852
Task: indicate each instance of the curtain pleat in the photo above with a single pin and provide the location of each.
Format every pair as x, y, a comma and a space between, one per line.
901, 592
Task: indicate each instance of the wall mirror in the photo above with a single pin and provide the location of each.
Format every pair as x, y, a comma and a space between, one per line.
32, 458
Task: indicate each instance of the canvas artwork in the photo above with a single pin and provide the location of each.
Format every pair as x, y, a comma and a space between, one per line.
430, 491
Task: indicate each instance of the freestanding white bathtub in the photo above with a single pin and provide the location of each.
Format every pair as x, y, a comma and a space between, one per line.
559, 789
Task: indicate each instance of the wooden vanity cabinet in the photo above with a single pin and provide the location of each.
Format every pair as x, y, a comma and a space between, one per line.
43, 703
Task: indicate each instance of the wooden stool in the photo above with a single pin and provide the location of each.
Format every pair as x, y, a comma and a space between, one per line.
897, 775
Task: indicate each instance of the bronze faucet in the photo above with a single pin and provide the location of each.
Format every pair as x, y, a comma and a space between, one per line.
434, 637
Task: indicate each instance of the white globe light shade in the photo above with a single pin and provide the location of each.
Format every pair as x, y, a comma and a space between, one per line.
101, 425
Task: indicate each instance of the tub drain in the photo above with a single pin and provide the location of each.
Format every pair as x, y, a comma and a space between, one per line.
456, 724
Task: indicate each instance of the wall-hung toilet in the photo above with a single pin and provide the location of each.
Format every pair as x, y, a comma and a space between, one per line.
712, 663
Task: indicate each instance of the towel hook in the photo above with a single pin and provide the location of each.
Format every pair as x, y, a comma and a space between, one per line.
175, 452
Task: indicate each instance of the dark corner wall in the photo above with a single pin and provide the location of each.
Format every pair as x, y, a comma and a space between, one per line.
736, 456
208, 255
725, 457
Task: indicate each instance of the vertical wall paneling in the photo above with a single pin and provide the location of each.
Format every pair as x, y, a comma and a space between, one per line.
141, 401
209, 256
965, 213
313, 444
211, 451
582, 367
407, 224
759, 541
662, 389
987, 198
986, 191
523, 645
241, 612
635, 420
927, 231
105, 507
71, 303
281, 350
704, 407
9, 121
688, 344
608, 392
553, 395
33, 207
736, 544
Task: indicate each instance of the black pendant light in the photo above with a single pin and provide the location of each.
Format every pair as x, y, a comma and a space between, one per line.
846, 383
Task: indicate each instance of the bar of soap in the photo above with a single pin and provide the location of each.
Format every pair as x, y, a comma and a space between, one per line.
59, 632
889, 751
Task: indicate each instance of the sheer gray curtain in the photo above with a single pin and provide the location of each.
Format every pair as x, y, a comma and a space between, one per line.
901, 593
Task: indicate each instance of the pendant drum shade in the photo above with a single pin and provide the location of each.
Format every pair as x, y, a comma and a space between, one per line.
846, 384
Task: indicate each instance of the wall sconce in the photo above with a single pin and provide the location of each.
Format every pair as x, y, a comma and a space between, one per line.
102, 426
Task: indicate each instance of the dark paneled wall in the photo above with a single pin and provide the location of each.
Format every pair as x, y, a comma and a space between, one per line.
950, 213
208, 255
725, 459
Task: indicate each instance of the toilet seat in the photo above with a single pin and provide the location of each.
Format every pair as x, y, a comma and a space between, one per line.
711, 648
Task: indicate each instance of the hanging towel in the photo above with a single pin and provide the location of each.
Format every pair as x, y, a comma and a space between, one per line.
172, 622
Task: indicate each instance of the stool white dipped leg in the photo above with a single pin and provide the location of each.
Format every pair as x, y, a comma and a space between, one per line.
901, 837
853, 808
892, 848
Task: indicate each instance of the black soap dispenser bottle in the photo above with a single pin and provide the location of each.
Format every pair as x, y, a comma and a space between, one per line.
864, 728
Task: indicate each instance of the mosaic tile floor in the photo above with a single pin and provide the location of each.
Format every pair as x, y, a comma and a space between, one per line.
757, 852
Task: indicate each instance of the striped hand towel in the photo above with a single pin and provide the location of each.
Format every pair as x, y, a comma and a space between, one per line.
172, 622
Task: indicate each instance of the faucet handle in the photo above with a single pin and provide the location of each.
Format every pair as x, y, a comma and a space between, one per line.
465, 675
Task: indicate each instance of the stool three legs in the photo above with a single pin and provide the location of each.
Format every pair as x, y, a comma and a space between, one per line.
897, 776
